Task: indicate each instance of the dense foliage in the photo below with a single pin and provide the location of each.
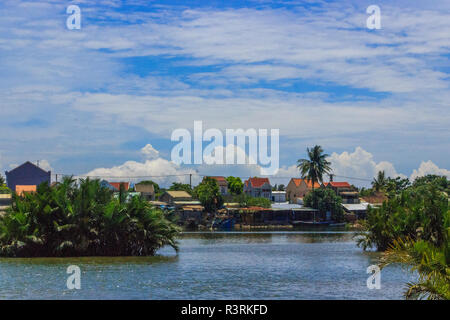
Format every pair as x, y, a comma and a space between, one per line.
325, 200
413, 228
208, 193
416, 213
235, 185
82, 219
429, 261
176, 186
246, 201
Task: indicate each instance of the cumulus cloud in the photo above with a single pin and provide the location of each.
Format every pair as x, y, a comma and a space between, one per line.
160, 170
149, 152
359, 164
429, 167
45, 165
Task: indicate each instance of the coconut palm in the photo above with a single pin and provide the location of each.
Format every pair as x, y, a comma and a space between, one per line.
380, 181
82, 219
315, 166
431, 264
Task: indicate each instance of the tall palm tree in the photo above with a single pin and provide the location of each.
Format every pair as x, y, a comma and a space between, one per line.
380, 181
315, 166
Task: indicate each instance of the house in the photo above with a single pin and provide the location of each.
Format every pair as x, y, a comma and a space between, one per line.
21, 190
344, 190
26, 176
357, 209
278, 196
116, 185
170, 197
297, 188
258, 187
106, 184
223, 184
147, 191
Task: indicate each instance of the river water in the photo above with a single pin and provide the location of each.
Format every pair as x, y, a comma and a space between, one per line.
228, 265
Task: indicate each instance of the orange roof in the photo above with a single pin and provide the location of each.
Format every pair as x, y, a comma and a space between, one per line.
339, 184
117, 185
21, 189
257, 182
309, 184
297, 182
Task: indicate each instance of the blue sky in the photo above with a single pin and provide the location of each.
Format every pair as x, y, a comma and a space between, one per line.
88, 101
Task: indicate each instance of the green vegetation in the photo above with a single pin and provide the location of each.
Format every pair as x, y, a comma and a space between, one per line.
416, 213
82, 220
235, 185
315, 166
429, 261
325, 200
246, 201
413, 228
176, 186
3, 187
208, 193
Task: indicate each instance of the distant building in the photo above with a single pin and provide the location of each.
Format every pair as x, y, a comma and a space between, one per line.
116, 185
106, 184
170, 197
297, 188
147, 191
278, 196
344, 190
223, 184
258, 187
27, 175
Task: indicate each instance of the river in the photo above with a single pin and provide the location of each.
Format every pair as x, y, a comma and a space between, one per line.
215, 265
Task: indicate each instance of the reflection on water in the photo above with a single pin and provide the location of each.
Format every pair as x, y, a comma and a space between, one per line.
214, 265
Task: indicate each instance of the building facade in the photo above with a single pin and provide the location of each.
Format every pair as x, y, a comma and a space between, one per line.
222, 183
297, 188
26, 176
258, 187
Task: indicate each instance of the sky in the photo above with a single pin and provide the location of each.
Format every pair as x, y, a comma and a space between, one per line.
105, 99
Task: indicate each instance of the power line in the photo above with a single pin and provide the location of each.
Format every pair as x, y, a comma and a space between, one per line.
186, 174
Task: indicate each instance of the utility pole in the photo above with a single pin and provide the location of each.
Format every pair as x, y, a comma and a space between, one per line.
190, 179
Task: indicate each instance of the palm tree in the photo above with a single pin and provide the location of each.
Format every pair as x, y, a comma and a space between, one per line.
380, 181
315, 166
429, 261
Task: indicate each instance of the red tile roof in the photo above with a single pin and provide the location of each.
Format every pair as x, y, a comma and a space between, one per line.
297, 182
117, 185
309, 184
257, 182
339, 184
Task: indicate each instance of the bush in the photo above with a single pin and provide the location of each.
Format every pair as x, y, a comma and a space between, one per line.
246, 201
417, 213
82, 220
325, 200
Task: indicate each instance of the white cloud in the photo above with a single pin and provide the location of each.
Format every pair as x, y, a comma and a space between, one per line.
361, 165
149, 152
45, 165
429, 167
160, 170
